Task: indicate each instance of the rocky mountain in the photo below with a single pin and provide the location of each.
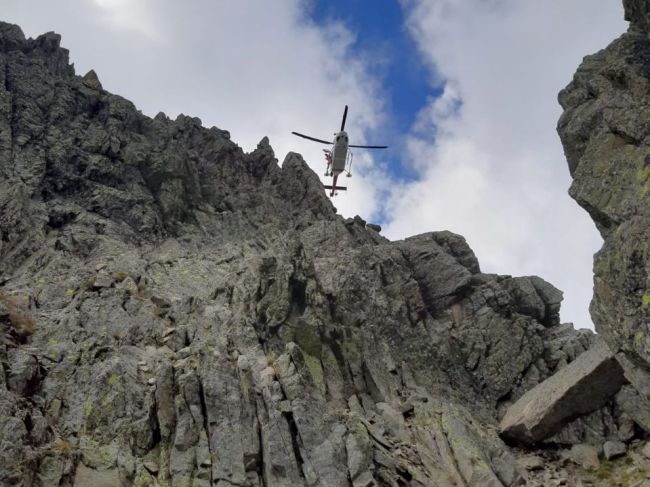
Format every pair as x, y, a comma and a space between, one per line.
176, 312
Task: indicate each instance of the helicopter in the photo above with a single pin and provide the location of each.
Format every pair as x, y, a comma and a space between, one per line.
339, 157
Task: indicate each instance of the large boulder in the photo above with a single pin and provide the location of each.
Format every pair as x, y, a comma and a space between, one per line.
581, 387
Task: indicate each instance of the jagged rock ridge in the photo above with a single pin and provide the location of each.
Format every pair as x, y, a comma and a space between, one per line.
177, 312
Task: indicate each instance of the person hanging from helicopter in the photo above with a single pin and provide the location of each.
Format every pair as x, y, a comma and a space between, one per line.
338, 157
328, 159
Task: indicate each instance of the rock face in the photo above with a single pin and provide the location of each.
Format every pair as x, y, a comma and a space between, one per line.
606, 139
583, 386
177, 312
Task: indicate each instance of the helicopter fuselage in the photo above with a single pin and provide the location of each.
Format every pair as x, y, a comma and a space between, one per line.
339, 152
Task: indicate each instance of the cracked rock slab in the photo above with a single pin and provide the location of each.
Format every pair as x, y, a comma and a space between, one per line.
581, 387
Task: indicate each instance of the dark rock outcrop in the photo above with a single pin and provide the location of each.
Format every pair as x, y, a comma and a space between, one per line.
606, 138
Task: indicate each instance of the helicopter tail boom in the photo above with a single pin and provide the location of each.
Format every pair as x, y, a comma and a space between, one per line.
333, 187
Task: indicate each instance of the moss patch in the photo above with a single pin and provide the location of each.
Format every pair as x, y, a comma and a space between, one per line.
120, 276
307, 339
316, 371
130, 286
632, 478
143, 479
639, 337
643, 174
88, 407
97, 456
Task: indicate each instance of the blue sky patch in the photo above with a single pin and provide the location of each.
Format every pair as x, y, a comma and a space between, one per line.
383, 40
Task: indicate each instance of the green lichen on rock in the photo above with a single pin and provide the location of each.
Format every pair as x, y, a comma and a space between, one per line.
639, 338
144, 479
316, 370
643, 174
88, 407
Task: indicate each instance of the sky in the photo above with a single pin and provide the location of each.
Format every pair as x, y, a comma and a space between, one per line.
463, 91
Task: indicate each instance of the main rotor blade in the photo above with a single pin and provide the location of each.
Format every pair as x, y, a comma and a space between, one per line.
312, 138
369, 146
345, 115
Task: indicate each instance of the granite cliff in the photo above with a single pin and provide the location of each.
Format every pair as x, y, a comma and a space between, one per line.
176, 312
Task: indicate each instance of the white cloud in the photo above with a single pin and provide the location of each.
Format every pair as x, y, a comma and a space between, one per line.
130, 15
252, 67
491, 164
